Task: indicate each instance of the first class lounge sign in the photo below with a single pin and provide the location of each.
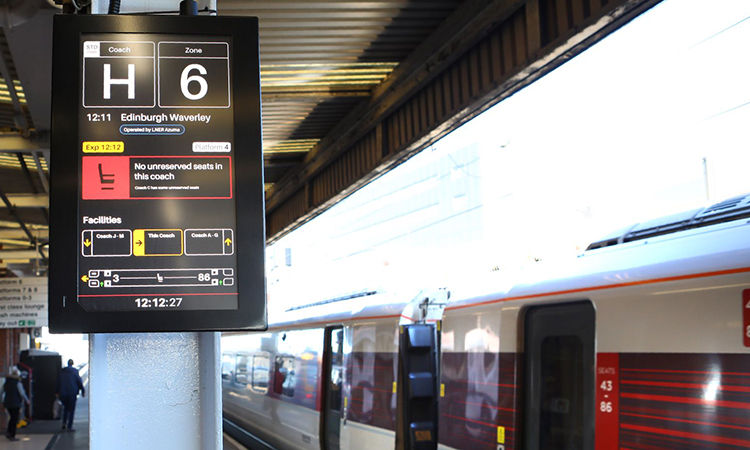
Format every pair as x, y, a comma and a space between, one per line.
23, 302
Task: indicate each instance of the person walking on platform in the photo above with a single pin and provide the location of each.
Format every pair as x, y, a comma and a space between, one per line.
13, 397
68, 384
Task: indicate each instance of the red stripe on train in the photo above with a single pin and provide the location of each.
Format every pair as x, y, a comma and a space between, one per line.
686, 385
697, 422
387, 391
691, 401
689, 435
487, 406
688, 378
512, 386
680, 441
477, 421
687, 415
711, 372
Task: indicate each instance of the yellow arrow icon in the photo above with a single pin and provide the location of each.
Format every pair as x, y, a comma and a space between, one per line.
228, 241
87, 243
85, 278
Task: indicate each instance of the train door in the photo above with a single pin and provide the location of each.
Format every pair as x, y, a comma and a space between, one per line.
418, 378
559, 358
334, 380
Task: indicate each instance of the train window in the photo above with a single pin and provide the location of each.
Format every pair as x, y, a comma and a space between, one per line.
559, 377
337, 368
260, 374
333, 367
240, 373
284, 377
561, 414
227, 367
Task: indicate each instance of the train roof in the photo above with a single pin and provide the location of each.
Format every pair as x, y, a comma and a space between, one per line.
703, 240
726, 211
715, 249
374, 304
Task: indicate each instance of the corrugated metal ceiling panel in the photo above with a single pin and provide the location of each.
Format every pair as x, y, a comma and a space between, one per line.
7, 112
319, 60
483, 53
10, 160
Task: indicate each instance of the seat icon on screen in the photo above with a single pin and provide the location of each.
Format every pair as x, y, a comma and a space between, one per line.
106, 179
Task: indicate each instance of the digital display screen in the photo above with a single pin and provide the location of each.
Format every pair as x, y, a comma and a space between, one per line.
157, 217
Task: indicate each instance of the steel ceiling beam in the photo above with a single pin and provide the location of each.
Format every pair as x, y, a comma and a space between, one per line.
27, 173
28, 200
42, 176
14, 213
15, 226
17, 233
18, 254
20, 117
17, 145
307, 96
14, 242
15, 264
21, 223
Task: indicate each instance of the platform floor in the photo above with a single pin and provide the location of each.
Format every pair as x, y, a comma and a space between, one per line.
48, 434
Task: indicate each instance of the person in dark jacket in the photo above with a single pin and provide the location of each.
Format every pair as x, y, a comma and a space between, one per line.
68, 384
13, 396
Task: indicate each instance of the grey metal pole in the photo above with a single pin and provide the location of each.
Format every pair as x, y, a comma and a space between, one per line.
155, 391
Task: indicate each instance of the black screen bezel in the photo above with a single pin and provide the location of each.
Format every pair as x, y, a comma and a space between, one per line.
65, 315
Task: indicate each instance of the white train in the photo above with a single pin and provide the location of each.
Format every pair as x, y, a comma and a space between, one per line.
641, 343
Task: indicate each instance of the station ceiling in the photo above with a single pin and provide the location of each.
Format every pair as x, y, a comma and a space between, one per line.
350, 88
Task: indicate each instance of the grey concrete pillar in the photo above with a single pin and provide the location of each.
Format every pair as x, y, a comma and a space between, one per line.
155, 391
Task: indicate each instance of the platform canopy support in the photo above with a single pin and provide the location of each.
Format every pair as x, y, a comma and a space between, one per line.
151, 391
